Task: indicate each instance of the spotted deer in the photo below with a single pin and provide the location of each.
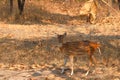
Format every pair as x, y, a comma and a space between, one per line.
77, 48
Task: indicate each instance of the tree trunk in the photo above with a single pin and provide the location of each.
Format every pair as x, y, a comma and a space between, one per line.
21, 6
11, 6
119, 4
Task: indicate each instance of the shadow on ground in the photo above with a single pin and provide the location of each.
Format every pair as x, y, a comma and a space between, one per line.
33, 50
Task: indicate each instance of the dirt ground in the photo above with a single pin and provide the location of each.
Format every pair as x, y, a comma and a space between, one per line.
27, 43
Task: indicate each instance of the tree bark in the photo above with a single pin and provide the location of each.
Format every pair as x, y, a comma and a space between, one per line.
119, 4
21, 6
11, 6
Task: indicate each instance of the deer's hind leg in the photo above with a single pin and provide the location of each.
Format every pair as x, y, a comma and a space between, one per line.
92, 60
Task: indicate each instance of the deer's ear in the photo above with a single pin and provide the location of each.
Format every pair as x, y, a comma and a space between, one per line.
57, 34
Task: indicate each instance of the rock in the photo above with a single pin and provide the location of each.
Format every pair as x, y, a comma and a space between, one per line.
36, 74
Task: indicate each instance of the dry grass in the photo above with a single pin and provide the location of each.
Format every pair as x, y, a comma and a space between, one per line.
36, 48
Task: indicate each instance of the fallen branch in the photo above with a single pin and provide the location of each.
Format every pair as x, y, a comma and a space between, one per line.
110, 6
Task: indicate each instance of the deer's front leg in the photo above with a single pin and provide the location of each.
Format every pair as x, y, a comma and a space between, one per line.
72, 64
65, 62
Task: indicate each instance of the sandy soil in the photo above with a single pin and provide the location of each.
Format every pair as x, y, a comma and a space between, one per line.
44, 32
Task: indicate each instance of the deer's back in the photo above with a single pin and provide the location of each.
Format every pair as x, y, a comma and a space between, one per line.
78, 47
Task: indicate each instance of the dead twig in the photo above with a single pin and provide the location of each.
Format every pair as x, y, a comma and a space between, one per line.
110, 6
